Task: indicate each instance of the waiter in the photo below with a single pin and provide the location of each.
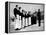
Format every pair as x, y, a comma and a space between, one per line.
39, 17
16, 16
32, 19
29, 19
26, 17
18, 24
23, 18
15, 10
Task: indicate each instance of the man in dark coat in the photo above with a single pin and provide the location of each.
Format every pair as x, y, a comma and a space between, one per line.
28, 18
15, 10
18, 13
39, 17
23, 18
22, 15
32, 19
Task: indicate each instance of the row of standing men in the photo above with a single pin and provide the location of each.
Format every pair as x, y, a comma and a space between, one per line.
23, 19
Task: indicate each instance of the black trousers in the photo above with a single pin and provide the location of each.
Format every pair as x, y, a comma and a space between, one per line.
33, 20
39, 21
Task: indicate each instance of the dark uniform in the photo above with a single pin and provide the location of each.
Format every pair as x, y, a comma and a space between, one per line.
34, 19
15, 11
39, 17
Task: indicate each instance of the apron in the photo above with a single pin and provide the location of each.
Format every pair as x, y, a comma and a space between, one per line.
20, 21
26, 22
17, 25
23, 19
29, 20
